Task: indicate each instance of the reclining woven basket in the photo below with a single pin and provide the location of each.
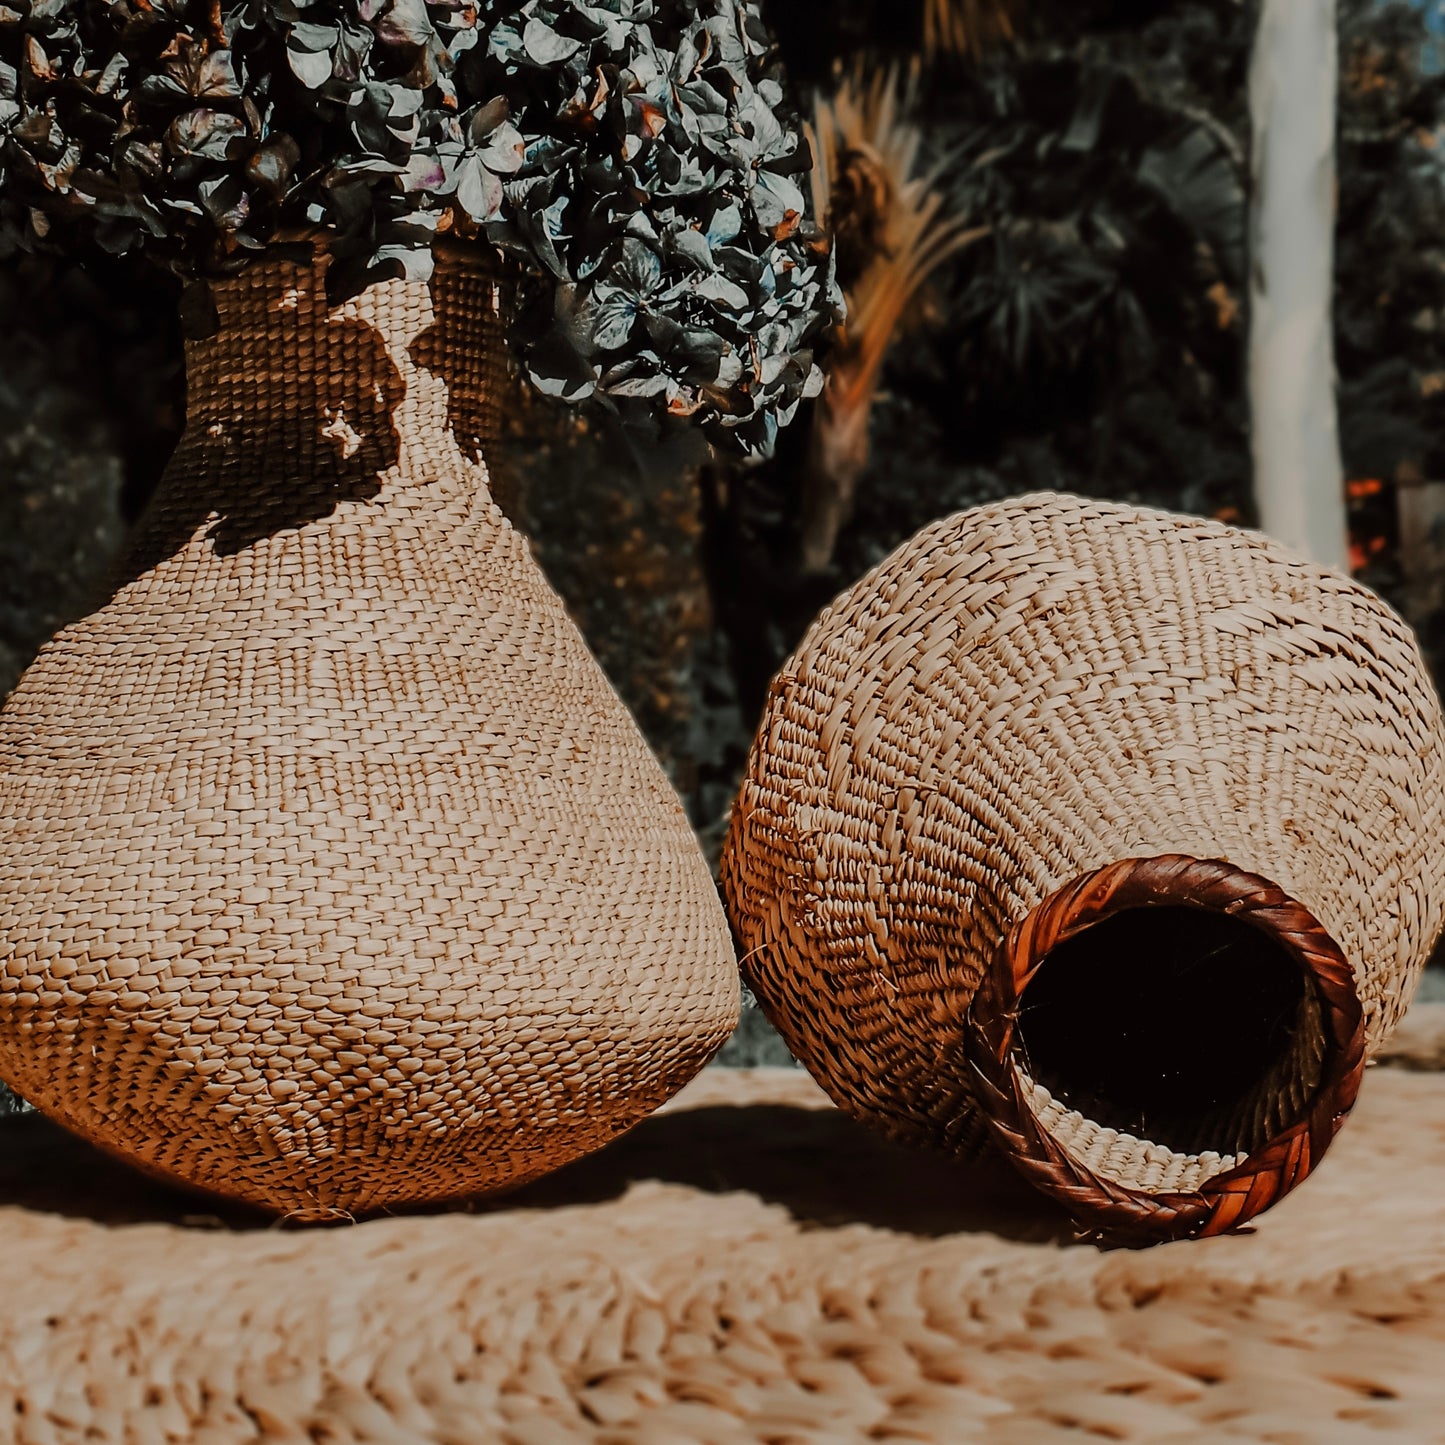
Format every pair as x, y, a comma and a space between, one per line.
333, 874
1112, 835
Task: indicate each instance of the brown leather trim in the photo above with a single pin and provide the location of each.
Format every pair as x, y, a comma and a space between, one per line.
1226, 1202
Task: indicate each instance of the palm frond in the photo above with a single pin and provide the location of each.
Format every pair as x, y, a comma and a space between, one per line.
893, 230
966, 27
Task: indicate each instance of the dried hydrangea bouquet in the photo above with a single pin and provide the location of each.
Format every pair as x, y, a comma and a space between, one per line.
333, 874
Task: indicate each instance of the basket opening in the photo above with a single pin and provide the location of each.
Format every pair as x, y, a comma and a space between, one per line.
1187, 1028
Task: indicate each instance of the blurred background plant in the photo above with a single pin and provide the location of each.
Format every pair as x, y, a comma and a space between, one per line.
1390, 303
966, 27
894, 225
1041, 208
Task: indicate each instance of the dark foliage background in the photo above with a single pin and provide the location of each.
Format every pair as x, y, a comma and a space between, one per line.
1390, 301
1094, 341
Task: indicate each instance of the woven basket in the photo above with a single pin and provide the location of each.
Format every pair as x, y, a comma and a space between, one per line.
1112, 835
333, 874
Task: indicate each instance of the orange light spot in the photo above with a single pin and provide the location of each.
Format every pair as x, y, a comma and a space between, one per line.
1364, 487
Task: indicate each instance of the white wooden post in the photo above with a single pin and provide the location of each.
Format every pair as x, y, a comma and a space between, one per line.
1293, 84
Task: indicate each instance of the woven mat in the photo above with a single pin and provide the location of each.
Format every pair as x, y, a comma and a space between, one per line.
746, 1266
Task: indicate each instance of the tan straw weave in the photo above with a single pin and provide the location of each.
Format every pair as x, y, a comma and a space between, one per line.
744, 1267
1044, 720
332, 871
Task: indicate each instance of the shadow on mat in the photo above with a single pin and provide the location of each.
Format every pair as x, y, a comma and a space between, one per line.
818, 1164
42, 1167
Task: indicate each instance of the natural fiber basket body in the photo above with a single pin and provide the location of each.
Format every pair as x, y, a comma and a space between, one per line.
333, 874
1039, 714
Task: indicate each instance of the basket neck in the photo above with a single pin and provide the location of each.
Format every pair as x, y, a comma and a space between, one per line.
407, 369
1129, 1188
374, 413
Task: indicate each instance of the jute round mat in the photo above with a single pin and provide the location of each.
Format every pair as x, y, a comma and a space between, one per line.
748, 1265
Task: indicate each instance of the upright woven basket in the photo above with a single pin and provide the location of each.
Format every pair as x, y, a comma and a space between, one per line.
333, 874
1112, 835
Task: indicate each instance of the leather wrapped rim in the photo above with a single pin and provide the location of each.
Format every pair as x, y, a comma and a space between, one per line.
1109, 1210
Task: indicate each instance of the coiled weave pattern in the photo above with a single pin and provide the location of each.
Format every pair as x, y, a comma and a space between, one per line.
1033, 691
333, 873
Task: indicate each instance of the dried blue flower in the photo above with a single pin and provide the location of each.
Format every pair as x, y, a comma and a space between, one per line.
636, 155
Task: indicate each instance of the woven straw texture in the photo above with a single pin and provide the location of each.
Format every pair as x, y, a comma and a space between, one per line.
1039, 689
777, 1274
1276, 1133
333, 873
